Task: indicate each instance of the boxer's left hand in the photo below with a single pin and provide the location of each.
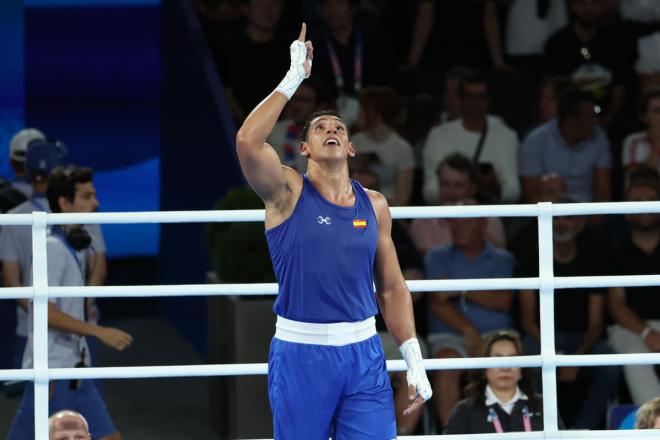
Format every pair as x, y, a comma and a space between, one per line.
419, 388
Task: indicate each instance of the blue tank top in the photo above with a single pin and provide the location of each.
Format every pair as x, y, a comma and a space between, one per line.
323, 256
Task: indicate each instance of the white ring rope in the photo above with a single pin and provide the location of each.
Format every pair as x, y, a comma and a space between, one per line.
271, 288
251, 215
546, 283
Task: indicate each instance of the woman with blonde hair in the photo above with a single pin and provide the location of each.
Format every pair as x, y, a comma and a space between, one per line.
648, 415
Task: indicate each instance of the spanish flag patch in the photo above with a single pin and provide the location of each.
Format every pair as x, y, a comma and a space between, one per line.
359, 223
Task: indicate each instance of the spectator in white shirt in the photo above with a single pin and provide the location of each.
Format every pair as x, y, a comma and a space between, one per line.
381, 148
643, 147
499, 143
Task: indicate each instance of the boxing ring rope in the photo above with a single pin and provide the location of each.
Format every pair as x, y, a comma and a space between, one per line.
546, 283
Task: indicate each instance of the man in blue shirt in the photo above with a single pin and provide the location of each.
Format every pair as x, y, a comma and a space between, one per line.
571, 145
458, 320
329, 239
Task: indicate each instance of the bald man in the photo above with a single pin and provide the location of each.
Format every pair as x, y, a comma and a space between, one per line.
68, 425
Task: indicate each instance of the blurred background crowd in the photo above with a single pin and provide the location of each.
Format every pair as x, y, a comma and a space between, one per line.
483, 102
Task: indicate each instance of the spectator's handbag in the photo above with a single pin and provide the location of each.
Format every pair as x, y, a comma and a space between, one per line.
488, 185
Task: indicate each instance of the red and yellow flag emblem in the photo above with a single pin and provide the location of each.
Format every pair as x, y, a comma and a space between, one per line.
359, 223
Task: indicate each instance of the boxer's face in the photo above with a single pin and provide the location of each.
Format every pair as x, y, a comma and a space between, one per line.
327, 137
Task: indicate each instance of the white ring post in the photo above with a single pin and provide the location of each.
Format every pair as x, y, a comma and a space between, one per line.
40, 323
547, 318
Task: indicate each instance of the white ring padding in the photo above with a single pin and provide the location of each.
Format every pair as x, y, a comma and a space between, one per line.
16, 219
208, 370
272, 288
335, 334
252, 215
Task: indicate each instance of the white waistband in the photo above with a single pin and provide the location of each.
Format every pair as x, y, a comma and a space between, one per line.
339, 333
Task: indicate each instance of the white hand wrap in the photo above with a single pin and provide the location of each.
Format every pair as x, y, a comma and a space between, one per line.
296, 74
416, 376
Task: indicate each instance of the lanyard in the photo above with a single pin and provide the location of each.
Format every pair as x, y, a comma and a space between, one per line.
59, 233
357, 63
495, 420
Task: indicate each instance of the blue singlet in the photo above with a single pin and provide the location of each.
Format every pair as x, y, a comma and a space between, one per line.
323, 256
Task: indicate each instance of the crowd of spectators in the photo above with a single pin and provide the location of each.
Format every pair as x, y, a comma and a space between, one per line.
484, 102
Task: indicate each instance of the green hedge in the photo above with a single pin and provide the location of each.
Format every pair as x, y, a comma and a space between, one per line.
238, 251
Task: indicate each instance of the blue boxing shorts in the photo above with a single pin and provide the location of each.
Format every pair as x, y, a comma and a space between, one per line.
329, 380
85, 400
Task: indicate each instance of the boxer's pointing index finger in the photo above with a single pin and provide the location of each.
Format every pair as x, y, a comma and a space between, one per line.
303, 31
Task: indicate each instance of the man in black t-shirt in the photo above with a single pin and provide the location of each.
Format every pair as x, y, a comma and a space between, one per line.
579, 320
349, 55
590, 57
242, 55
636, 310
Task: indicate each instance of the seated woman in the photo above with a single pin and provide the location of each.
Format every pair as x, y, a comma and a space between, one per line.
498, 399
648, 415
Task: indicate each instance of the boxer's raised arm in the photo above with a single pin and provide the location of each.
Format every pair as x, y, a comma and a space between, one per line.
259, 162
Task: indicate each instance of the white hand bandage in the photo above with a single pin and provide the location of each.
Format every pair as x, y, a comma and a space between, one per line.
416, 375
296, 74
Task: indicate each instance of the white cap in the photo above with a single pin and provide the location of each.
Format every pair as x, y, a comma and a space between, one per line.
19, 143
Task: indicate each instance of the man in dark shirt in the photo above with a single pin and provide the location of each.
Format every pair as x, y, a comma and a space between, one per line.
457, 32
242, 56
579, 321
350, 56
590, 57
636, 310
